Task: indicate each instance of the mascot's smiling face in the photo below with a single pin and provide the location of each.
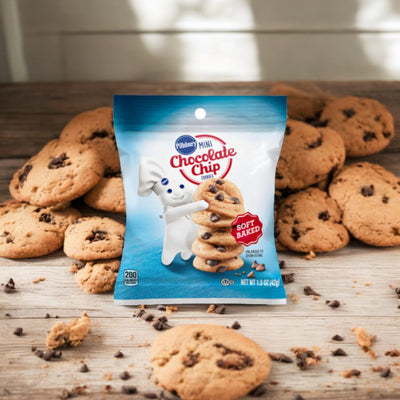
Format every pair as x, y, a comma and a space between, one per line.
175, 193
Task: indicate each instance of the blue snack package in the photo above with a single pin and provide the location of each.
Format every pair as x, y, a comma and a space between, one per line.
199, 181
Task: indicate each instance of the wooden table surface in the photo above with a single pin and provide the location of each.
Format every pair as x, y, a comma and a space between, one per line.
359, 276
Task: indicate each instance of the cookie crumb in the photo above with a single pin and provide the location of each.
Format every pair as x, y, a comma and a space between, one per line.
309, 291
350, 373
170, 309
310, 256
393, 353
364, 340
65, 394
108, 376
294, 297
37, 280
280, 357
315, 298
305, 358
211, 308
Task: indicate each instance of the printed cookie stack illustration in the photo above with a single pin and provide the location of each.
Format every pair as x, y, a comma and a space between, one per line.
215, 248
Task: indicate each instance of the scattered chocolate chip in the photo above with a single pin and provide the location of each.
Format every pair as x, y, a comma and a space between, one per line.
57, 354
191, 359
7, 314
219, 182
221, 248
324, 215
282, 264
333, 303
58, 162
235, 200
84, 368
259, 390
48, 355
158, 325
219, 197
18, 331
214, 218
124, 375
338, 338
348, 112
339, 352
353, 372
220, 309
251, 275
22, 176
295, 234
47, 316
99, 134
213, 263
205, 235
260, 268
368, 136
309, 291
45, 217
150, 395
222, 269
255, 264
9, 287
280, 357
139, 313
397, 291
147, 317
299, 397
368, 191
315, 144
33, 348
118, 354
288, 278
236, 325
96, 236
163, 319
305, 358
385, 373
129, 389
385, 199
213, 189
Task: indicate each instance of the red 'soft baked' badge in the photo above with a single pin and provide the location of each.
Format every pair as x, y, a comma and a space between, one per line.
247, 229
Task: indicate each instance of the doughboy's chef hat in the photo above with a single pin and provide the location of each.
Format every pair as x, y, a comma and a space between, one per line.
151, 177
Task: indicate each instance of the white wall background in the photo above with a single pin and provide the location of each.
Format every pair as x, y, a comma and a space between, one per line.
199, 40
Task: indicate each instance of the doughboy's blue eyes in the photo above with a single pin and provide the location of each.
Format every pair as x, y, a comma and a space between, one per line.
181, 186
169, 190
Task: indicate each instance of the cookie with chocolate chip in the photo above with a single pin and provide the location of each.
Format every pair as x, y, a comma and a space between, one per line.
203, 362
96, 128
224, 197
216, 235
59, 173
213, 265
308, 156
211, 219
96, 276
369, 197
365, 125
310, 220
94, 238
216, 251
29, 231
107, 195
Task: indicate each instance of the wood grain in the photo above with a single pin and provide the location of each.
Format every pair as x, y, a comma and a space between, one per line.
361, 277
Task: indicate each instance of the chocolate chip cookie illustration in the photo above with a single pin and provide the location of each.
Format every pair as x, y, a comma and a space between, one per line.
308, 156
216, 251
369, 197
211, 219
365, 125
59, 173
30, 231
310, 221
95, 127
216, 235
203, 362
221, 266
94, 238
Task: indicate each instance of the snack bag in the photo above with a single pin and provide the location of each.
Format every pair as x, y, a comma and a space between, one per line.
199, 174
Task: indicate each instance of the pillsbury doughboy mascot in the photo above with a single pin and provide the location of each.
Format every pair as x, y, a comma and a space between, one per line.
177, 199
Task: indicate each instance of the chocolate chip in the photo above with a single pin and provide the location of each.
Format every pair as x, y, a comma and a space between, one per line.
57, 354
282, 264
299, 397
259, 390
99, 134
368, 136
235, 200
295, 234
397, 290
315, 144
139, 313
339, 353
222, 269
288, 278
161, 307
150, 395
163, 319
236, 325
158, 325
386, 134
7, 314
348, 112
48, 355
219, 182
214, 218
280, 357
47, 316
251, 274
9, 287
221, 248
22, 176
368, 191
309, 291
324, 215
219, 197
255, 264
124, 375
147, 317
38, 353
213, 189
129, 389
337, 338
58, 162
45, 217
288, 130
239, 362
353, 372
220, 309
333, 304
385, 373
96, 236
213, 263
18, 331
260, 267
206, 235
118, 354
191, 359
385, 199
84, 368
302, 357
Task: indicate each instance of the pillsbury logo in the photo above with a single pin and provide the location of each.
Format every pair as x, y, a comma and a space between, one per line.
186, 145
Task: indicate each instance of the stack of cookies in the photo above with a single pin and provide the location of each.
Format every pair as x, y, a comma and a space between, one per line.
215, 248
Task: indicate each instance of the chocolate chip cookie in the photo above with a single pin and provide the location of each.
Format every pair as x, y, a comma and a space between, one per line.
211, 219
59, 173
365, 125
369, 197
216, 251
96, 128
30, 231
203, 362
216, 235
213, 265
94, 238
308, 156
310, 221
107, 195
